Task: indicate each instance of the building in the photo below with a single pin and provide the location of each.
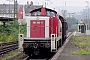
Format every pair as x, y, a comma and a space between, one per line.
70, 15
24, 10
30, 7
20, 12
17, 11
7, 10
82, 27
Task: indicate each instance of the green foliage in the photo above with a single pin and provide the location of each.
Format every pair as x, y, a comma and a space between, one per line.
11, 55
74, 26
71, 21
82, 52
83, 44
10, 31
3, 37
22, 29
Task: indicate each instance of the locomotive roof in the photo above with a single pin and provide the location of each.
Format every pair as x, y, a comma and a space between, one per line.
45, 8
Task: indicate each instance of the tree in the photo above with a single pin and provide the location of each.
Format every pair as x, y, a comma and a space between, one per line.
71, 22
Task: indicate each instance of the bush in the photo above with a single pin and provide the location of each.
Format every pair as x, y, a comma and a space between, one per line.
10, 31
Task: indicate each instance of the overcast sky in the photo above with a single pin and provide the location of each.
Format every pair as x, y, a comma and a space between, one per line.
52, 3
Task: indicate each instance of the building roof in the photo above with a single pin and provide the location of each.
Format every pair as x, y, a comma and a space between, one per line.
9, 9
29, 8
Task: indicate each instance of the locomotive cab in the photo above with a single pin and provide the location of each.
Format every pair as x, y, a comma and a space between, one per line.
43, 32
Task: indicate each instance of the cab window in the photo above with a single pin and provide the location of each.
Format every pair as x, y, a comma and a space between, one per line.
47, 13
52, 14
36, 13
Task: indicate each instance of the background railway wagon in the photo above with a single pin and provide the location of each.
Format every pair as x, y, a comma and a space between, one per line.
64, 28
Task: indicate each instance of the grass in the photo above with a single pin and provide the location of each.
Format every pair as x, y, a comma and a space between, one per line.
82, 52
83, 44
1, 42
11, 55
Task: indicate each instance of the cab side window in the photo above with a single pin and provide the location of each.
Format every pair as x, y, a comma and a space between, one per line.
52, 14
47, 13
38, 13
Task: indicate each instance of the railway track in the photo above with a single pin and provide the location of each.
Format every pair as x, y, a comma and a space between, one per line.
43, 57
26, 58
7, 47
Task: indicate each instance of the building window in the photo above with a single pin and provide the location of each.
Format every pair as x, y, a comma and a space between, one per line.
7, 11
1, 10
12, 15
12, 11
21, 12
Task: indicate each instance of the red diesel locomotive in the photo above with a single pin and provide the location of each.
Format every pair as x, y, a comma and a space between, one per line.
44, 32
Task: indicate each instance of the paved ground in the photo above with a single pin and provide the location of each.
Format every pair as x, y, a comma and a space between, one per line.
66, 53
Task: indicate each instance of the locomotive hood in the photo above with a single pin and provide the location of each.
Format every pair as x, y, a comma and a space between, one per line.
38, 27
